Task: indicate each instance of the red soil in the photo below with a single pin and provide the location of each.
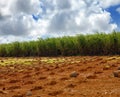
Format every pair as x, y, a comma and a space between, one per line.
95, 78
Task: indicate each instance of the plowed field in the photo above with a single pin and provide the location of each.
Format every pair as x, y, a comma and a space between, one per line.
50, 77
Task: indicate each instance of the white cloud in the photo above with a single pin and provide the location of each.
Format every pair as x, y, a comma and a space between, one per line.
83, 16
102, 22
108, 3
118, 10
57, 18
26, 6
16, 17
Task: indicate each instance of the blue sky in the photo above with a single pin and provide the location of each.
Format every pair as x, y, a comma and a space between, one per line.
115, 15
25, 20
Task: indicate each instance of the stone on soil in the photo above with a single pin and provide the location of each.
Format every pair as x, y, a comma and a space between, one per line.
116, 73
74, 74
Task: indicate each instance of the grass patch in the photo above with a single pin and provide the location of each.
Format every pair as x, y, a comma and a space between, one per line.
52, 60
17, 61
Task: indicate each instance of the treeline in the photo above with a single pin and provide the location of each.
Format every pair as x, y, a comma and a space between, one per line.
92, 44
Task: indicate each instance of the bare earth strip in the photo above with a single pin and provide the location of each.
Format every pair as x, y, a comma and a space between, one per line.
51, 77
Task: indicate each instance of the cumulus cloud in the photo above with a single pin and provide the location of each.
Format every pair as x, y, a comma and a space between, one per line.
118, 10
25, 6
14, 26
108, 3
30, 19
15, 16
63, 5
3, 17
83, 16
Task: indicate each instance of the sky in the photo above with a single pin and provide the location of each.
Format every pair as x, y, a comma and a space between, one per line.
25, 20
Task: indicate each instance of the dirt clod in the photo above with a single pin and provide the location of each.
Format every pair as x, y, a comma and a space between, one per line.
18, 95
36, 88
116, 73
55, 93
74, 74
119, 68
29, 93
3, 92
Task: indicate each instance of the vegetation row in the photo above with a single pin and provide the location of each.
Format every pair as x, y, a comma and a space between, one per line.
91, 44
